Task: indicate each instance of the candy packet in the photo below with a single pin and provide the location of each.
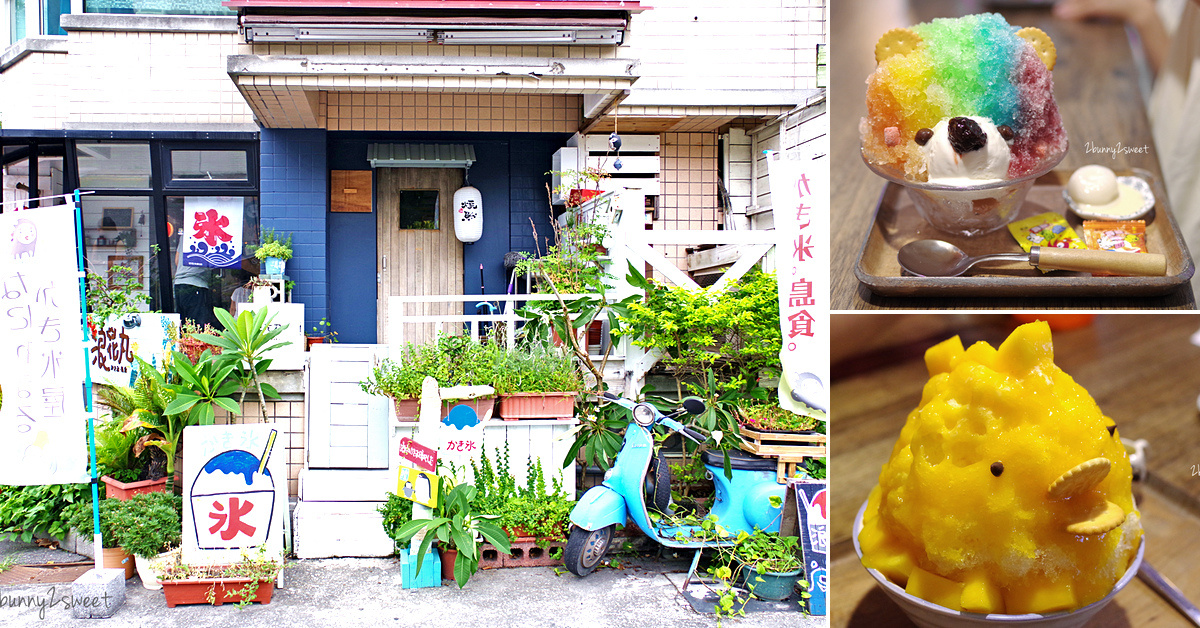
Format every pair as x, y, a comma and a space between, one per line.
1048, 229
1115, 235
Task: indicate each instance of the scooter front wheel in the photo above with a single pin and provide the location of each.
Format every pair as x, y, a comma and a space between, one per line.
585, 548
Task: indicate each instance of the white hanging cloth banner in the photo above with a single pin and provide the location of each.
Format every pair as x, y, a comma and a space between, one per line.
800, 197
43, 427
212, 231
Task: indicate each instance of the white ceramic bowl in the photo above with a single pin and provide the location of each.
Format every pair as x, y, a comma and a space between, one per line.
929, 615
1138, 184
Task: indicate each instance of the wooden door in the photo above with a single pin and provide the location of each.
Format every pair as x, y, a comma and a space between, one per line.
416, 262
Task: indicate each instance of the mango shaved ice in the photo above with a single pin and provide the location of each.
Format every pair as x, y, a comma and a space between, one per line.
974, 66
1008, 490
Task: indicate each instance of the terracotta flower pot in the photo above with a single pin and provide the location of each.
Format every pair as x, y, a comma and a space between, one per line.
449, 555
221, 591
551, 405
122, 491
408, 409
118, 558
577, 197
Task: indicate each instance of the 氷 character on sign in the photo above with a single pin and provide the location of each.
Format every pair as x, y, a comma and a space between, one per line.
233, 500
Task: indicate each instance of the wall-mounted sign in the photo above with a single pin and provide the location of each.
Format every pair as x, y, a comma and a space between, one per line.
114, 346
43, 437
235, 492
212, 231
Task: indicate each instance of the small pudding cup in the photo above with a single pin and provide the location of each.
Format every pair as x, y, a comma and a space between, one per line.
968, 210
930, 615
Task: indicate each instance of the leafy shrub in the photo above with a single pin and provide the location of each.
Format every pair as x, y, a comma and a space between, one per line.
26, 511
147, 525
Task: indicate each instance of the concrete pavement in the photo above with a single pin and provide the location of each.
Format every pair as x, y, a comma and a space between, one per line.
352, 592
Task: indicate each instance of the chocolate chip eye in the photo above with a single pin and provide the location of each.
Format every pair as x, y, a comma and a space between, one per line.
1006, 132
997, 468
965, 135
1112, 429
923, 136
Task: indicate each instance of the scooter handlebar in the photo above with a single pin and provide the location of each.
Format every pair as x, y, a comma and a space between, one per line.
696, 437
687, 432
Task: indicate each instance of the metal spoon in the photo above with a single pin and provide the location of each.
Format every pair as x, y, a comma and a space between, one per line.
937, 258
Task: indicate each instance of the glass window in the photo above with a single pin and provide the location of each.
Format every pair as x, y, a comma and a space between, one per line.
117, 235
163, 7
418, 209
107, 166
209, 165
198, 289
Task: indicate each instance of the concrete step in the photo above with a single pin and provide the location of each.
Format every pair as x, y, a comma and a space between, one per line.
335, 529
346, 485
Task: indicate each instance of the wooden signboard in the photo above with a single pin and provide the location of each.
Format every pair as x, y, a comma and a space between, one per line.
350, 191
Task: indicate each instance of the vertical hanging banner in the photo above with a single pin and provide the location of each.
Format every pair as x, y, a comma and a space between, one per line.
800, 197
812, 505
43, 429
212, 231
234, 492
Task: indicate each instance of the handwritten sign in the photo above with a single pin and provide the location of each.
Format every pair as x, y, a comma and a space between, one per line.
418, 485
812, 504
419, 455
800, 196
43, 437
212, 231
114, 346
235, 492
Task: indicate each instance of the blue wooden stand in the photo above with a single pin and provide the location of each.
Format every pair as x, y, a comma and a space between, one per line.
431, 569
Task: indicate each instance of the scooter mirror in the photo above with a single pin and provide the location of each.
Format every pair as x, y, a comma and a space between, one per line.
694, 405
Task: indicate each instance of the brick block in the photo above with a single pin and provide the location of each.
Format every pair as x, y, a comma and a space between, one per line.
98, 593
526, 553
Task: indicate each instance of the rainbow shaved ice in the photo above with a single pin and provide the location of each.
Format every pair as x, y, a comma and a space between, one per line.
975, 66
1008, 490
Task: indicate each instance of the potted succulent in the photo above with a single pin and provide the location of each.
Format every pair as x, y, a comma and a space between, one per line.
540, 383
273, 252
770, 565
460, 529
147, 526
251, 579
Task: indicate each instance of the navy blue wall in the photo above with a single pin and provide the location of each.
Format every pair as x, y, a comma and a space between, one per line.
510, 173
293, 200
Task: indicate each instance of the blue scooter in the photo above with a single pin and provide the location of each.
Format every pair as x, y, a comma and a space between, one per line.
639, 481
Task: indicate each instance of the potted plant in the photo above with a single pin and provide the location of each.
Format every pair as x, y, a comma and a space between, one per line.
540, 383
575, 184
769, 417
321, 332
451, 360
769, 564
80, 519
189, 344
273, 252
148, 526
140, 411
126, 467
251, 579
460, 529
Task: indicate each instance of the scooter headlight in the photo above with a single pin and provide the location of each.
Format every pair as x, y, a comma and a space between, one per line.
644, 414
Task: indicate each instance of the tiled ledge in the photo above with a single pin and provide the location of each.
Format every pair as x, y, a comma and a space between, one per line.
149, 23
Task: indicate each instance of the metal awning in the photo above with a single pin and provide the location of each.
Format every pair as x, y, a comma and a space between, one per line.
420, 155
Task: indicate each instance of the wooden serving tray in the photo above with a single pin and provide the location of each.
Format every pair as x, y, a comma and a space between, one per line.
897, 223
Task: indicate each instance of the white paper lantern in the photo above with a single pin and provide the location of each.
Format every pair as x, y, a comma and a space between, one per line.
468, 214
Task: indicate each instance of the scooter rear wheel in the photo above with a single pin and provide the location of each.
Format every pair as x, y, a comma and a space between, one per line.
585, 548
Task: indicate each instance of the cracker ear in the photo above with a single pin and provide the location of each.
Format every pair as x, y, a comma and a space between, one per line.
1041, 43
898, 41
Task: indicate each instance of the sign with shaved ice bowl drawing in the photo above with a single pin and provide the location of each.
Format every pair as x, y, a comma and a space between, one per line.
235, 478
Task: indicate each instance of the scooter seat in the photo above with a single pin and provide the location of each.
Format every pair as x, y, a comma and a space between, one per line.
738, 459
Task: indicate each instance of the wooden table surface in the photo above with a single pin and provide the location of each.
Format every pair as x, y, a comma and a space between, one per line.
1143, 371
1096, 87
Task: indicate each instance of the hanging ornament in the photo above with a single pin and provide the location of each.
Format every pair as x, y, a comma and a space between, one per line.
614, 141
468, 214
617, 164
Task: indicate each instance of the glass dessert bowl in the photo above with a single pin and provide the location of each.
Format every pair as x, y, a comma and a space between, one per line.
973, 209
929, 615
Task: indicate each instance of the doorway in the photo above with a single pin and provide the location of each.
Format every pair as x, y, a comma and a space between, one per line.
418, 254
